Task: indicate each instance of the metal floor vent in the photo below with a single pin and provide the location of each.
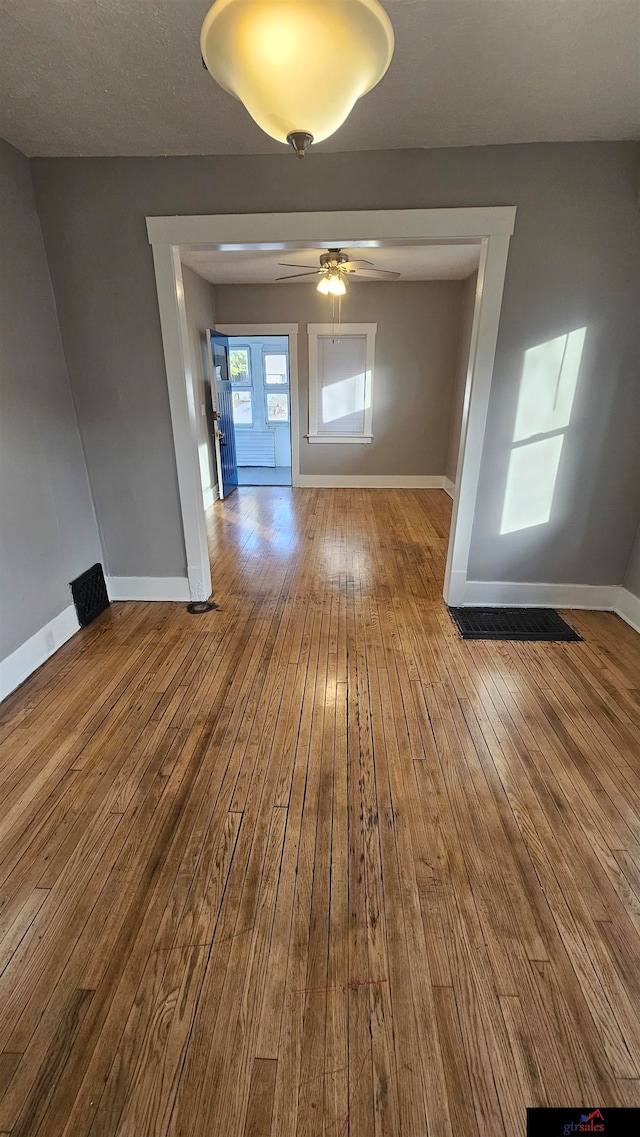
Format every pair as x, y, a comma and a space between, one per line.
512, 624
90, 595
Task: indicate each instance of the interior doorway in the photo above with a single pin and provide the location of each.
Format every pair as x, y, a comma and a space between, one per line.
260, 376
488, 227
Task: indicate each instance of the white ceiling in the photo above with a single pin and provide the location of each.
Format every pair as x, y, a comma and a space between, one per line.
423, 262
125, 77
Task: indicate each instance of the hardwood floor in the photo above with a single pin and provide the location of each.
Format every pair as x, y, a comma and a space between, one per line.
311, 865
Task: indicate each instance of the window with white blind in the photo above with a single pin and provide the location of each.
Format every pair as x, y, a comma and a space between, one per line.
341, 364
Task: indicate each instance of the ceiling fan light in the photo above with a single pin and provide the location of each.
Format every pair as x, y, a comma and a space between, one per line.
275, 56
337, 286
324, 286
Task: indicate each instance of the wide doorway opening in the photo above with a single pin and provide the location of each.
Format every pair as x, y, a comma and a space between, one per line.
178, 241
260, 377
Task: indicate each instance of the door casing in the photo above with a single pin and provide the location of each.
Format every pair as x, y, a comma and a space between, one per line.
291, 332
213, 336
490, 227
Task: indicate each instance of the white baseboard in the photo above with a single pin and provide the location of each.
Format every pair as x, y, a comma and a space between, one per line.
592, 597
521, 594
148, 588
628, 607
209, 496
45, 642
36, 650
449, 487
373, 481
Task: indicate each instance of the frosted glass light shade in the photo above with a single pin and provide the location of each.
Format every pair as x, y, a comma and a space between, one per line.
297, 65
332, 286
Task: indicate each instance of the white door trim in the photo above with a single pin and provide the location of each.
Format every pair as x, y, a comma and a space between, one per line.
183, 405
352, 226
482, 350
290, 330
213, 394
491, 227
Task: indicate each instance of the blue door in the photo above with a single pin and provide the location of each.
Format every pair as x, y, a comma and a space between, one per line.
225, 439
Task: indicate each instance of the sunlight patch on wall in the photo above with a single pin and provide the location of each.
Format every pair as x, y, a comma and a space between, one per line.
203, 458
531, 480
548, 385
545, 403
344, 399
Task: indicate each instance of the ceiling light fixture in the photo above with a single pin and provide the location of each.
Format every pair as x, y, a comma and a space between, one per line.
299, 66
332, 285
335, 269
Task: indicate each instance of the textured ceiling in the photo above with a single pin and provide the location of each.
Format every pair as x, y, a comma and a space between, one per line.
89, 77
423, 262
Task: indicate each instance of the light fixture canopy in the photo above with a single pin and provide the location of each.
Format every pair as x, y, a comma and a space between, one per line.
299, 66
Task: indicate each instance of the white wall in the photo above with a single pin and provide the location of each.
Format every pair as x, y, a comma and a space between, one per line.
199, 301
48, 531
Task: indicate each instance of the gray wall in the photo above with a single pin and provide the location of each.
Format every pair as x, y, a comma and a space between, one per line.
632, 575
48, 533
416, 351
460, 381
199, 302
573, 263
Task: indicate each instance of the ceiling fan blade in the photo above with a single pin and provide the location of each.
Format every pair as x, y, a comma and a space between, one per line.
288, 264
299, 275
373, 274
356, 264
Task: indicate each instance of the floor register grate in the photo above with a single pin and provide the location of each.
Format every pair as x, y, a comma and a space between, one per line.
512, 624
90, 594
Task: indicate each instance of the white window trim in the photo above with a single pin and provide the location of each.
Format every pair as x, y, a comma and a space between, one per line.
241, 347
315, 330
243, 386
275, 388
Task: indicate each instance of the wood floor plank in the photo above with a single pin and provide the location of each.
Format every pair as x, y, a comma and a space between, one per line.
335, 1068
360, 1106
311, 864
260, 1106
29, 1119
155, 1077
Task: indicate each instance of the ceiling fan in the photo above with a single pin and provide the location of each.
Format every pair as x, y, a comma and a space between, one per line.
335, 269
